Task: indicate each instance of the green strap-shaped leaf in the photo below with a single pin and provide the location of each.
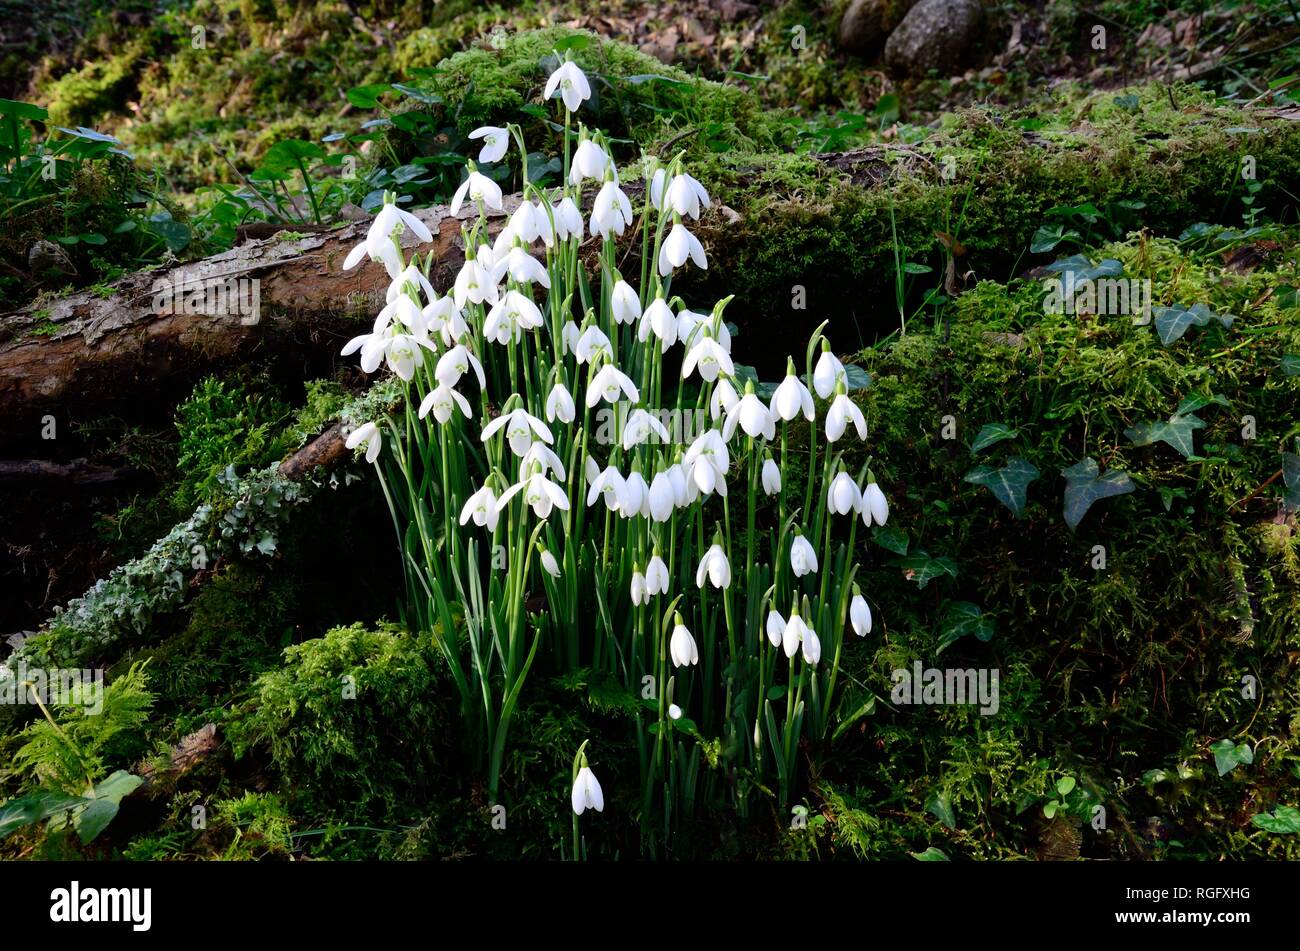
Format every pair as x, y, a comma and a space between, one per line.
1009, 485
1085, 485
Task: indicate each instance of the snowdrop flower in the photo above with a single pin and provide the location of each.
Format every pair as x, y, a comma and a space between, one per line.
543, 455
771, 477
477, 188
656, 575
608, 384
710, 358
369, 434
639, 427
454, 329
792, 397
403, 353
539, 492
482, 508
415, 278
684, 195
843, 411
612, 211
625, 304
510, 317
589, 161
754, 418
474, 284
714, 564
530, 222
674, 711
860, 614
677, 247
843, 496
608, 485
812, 647
793, 634
684, 490
827, 373
639, 595
569, 337
453, 364
775, 627
659, 320
496, 141
707, 461
636, 495
587, 793
443, 400
523, 267
591, 341
559, 405
691, 326
682, 646
436, 314
572, 85
724, 397
378, 244
875, 507
803, 560
550, 564
660, 499
568, 219
520, 427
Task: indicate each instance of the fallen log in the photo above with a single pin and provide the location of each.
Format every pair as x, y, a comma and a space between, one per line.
76, 472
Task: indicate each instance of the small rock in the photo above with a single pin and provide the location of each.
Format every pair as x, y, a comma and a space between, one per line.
935, 34
45, 257
866, 23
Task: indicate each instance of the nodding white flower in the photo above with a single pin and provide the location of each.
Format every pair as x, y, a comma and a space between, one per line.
587, 793
639, 427
775, 627
612, 211
453, 364
860, 615
660, 320
803, 560
454, 329
771, 477
754, 418
724, 397
661, 499
510, 317
496, 141
792, 398
843, 496
520, 426
543, 455
639, 595
682, 486
550, 564
437, 313
591, 341
477, 188
530, 222
482, 508
674, 711
539, 492
812, 647
559, 405
714, 564
842, 411
691, 326
677, 247
369, 434
572, 85
682, 646
608, 485
413, 276
608, 384
569, 336
711, 358
378, 244
404, 309
404, 354
474, 284
589, 161
443, 400
656, 575
684, 195
568, 219
706, 462
624, 303
793, 634
827, 373
591, 469
875, 507
522, 266
636, 495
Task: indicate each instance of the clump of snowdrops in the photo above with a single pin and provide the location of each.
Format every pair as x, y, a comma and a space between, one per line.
569, 491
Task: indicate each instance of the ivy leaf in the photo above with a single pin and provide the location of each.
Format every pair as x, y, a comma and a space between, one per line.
992, 433
1009, 485
856, 378
961, 619
923, 569
931, 854
1173, 322
94, 819
1082, 269
1085, 485
1291, 478
1228, 755
891, 538
940, 806
367, 97
1284, 820
1198, 401
1176, 433
1291, 364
